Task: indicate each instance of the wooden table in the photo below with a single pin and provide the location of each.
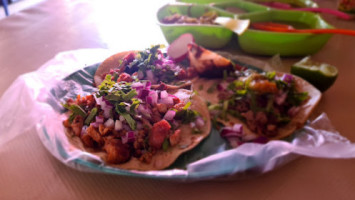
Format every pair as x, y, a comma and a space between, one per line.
28, 171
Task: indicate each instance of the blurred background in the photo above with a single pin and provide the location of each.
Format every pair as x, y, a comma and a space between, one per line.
16, 6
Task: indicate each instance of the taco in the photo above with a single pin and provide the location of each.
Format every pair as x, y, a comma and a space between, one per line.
161, 70
150, 64
131, 126
271, 105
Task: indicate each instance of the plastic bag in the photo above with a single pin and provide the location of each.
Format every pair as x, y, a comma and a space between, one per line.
34, 99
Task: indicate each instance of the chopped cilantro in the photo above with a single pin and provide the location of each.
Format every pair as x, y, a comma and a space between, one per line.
296, 98
131, 122
270, 75
129, 95
76, 110
91, 116
134, 105
187, 105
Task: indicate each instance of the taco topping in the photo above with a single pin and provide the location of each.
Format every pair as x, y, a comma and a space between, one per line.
263, 101
129, 119
150, 64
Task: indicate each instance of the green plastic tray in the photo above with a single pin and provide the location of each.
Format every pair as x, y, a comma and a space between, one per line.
286, 44
209, 36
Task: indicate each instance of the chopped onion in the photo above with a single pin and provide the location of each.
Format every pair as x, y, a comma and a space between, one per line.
94, 124
107, 103
142, 94
169, 115
164, 94
288, 78
118, 125
99, 119
199, 122
128, 137
144, 110
235, 131
147, 85
109, 123
178, 49
121, 118
98, 100
168, 101
152, 98
107, 111
168, 62
137, 85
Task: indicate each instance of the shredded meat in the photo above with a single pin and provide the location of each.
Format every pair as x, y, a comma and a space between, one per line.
87, 140
156, 116
95, 135
105, 130
162, 108
77, 125
116, 151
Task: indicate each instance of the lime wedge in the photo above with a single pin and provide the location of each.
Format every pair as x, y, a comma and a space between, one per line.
321, 75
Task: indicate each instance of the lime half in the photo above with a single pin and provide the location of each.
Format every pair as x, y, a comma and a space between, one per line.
321, 75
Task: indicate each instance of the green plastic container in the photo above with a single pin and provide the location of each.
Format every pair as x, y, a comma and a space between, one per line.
298, 3
242, 5
208, 36
286, 44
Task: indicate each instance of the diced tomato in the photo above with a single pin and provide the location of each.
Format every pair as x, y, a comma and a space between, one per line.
179, 106
175, 137
124, 77
158, 133
176, 100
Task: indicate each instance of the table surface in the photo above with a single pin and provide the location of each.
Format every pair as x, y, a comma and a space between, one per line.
28, 171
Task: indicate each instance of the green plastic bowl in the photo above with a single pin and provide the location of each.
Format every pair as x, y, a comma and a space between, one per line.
208, 36
246, 6
286, 44
298, 3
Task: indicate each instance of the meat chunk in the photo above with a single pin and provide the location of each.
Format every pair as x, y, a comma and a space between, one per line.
77, 125
156, 116
116, 151
162, 108
208, 63
88, 141
95, 135
105, 130
158, 133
